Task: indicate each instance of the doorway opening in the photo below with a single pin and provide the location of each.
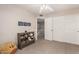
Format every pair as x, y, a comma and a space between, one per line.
40, 29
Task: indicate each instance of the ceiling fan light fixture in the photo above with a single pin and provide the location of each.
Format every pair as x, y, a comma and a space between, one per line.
45, 7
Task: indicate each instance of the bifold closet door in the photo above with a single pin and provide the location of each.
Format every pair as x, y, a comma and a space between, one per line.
77, 29
66, 29
70, 25
58, 27
49, 28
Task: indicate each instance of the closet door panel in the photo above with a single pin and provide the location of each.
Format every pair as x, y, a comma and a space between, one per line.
49, 28
70, 26
58, 27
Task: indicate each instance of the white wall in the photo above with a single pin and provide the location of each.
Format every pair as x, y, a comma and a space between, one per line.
9, 17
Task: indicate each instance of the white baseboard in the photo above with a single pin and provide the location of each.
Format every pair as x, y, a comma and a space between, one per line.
76, 43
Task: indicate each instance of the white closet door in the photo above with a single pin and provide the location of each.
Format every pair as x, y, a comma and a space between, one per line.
77, 29
63, 28
70, 28
58, 27
66, 29
48, 28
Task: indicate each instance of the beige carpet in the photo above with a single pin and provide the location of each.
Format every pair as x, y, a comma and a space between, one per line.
49, 47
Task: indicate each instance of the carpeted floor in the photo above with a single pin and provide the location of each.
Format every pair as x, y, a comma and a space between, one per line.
49, 47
